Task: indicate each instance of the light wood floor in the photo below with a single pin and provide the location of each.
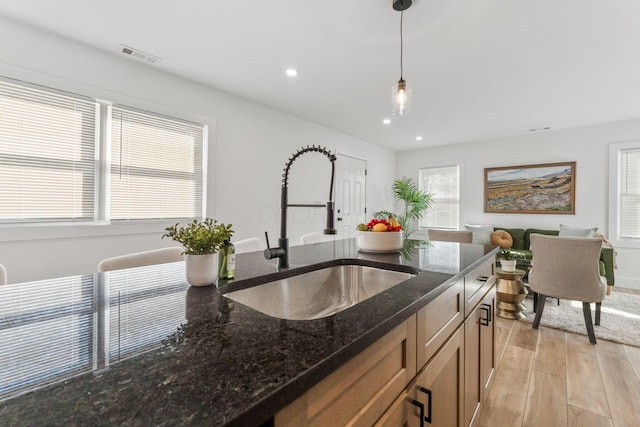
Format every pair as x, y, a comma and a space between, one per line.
554, 378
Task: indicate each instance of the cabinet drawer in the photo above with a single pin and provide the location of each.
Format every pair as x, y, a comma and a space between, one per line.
476, 285
359, 392
437, 321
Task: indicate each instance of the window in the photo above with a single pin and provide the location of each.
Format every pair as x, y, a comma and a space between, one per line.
156, 166
624, 189
47, 155
443, 183
51, 162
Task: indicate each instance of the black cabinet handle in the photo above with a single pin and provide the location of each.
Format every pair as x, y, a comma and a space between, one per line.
486, 308
421, 407
428, 393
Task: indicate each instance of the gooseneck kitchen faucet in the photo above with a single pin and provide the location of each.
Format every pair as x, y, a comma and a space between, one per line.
282, 251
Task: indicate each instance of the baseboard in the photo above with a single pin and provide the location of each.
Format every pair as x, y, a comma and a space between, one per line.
627, 282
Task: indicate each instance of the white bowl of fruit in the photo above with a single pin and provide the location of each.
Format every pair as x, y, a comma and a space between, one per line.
379, 236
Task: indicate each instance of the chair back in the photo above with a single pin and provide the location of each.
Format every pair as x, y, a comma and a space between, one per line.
3, 275
313, 237
459, 236
248, 245
140, 259
567, 267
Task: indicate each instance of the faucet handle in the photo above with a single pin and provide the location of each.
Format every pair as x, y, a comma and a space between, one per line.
271, 253
266, 236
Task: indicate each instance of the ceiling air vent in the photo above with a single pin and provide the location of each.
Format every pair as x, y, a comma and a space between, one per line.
139, 54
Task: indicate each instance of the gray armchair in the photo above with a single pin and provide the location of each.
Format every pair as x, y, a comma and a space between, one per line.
568, 268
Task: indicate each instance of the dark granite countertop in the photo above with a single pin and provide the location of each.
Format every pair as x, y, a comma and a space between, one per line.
142, 347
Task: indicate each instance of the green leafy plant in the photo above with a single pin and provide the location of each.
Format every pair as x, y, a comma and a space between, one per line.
508, 254
416, 202
200, 237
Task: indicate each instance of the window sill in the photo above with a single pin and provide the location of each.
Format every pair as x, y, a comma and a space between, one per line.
13, 233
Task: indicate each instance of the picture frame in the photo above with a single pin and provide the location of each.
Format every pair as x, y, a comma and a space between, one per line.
548, 188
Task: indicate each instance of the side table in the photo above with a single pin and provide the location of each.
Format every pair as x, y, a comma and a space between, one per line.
510, 291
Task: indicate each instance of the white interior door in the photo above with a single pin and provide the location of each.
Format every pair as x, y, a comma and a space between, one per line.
350, 194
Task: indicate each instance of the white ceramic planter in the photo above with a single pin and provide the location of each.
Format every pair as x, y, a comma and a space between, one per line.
202, 270
383, 241
508, 264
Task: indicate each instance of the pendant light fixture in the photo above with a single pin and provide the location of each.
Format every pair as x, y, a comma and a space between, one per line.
401, 93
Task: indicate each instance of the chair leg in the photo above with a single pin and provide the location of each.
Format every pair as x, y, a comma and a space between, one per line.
586, 309
539, 309
598, 306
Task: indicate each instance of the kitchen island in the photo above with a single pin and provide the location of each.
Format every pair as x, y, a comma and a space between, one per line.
142, 347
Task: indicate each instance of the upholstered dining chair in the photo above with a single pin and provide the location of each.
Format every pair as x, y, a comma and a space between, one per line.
140, 259
568, 268
459, 236
313, 237
3, 275
248, 245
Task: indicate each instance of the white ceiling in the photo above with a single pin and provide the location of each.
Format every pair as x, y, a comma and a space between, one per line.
478, 68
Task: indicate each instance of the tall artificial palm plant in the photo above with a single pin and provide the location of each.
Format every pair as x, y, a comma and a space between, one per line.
416, 202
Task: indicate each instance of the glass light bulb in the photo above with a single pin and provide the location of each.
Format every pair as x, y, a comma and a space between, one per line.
401, 99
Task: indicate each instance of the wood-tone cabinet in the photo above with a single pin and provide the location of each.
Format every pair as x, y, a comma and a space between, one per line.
479, 333
438, 320
435, 397
360, 391
477, 284
488, 342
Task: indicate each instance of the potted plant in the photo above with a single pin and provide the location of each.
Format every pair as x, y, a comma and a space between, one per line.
201, 241
415, 201
508, 259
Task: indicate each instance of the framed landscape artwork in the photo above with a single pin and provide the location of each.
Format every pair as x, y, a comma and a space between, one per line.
546, 188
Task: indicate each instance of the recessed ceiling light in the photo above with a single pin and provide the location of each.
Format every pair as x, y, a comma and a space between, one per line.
418, 138
292, 72
386, 121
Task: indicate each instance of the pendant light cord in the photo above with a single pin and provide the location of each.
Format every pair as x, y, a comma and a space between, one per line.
401, 15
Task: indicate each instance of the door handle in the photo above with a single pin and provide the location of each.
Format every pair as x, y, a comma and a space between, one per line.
421, 407
426, 391
487, 309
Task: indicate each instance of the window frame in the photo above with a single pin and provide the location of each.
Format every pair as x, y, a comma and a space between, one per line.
101, 225
460, 165
615, 151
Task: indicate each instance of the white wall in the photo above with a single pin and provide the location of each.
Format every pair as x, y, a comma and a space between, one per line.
248, 148
588, 146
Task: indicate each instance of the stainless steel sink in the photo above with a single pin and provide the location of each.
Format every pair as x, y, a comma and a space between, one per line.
319, 293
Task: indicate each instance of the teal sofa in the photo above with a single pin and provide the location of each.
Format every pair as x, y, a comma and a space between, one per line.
522, 243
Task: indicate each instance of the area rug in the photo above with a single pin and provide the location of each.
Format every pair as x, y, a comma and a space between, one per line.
619, 322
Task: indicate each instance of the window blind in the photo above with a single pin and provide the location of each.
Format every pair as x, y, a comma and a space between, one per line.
156, 166
443, 183
630, 193
47, 155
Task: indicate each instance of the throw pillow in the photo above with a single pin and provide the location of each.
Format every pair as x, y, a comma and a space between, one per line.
567, 231
517, 234
502, 238
481, 233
